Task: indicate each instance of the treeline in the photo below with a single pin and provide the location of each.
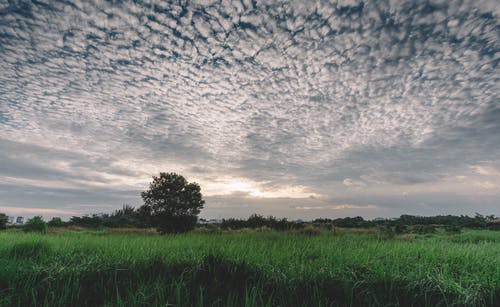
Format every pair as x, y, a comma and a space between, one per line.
259, 221
126, 217
478, 221
130, 217
421, 224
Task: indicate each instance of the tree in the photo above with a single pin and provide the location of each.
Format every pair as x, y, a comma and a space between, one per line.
35, 224
3, 221
171, 203
56, 222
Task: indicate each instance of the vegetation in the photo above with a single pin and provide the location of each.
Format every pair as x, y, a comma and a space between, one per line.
35, 224
171, 204
3, 221
403, 224
309, 267
56, 222
258, 221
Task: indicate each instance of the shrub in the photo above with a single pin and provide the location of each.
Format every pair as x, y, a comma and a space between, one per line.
35, 224
3, 221
56, 222
387, 232
400, 229
453, 229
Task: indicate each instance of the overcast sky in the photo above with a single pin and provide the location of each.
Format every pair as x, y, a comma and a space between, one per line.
300, 109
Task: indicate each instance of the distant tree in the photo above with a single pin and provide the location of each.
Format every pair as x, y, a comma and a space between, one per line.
256, 220
171, 203
35, 224
126, 210
56, 222
400, 228
3, 221
93, 221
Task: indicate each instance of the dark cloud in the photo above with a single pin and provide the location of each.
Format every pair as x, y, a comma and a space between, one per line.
344, 100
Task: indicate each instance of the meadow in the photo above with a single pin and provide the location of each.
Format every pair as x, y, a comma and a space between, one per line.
342, 267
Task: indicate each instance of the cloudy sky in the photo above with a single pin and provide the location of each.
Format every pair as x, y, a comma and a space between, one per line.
299, 109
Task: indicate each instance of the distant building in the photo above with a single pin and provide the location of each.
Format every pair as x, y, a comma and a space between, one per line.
20, 220
10, 220
210, 221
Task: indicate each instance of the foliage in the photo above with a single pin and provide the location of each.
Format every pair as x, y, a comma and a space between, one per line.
248, 269
35, 224
142, 218
172, 204
258, 221
453, 229
93, 221
400, 229
127, 216
3, 221
477, 222
56, 222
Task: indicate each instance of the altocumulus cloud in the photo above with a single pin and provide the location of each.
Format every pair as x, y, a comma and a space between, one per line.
383, 107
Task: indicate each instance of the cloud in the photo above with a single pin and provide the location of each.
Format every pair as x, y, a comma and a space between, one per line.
337, 207
285, 99
348, 182
36, 211
486, 170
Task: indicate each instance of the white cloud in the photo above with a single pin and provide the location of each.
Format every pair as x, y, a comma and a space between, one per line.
273, 107
336, 207
36, 211
486, 170
348, 182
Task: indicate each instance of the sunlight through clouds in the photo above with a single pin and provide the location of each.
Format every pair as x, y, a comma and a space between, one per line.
350, 101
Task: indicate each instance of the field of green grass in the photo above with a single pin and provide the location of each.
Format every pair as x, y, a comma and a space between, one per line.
249, 268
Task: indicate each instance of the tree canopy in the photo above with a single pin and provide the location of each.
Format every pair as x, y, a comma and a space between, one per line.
172, 203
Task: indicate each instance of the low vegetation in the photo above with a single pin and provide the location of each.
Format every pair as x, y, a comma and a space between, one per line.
35, 224
312, 266
130, 217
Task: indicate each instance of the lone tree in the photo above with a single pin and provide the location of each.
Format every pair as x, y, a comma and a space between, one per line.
171, 204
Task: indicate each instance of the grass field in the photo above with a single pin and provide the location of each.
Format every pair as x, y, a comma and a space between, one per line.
248, 268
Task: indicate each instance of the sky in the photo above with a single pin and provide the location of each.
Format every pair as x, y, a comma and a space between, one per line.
297, 109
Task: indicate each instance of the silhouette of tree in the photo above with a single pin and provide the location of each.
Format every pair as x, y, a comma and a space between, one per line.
171, 203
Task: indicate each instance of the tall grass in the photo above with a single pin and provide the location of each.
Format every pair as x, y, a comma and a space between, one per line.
248, 269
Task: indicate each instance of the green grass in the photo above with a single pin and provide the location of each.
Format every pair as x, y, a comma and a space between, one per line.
248, 269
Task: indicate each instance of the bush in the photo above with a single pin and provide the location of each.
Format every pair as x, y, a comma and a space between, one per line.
3, 221
400, 229
387, 232
452, 229
35, 224
56, 222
